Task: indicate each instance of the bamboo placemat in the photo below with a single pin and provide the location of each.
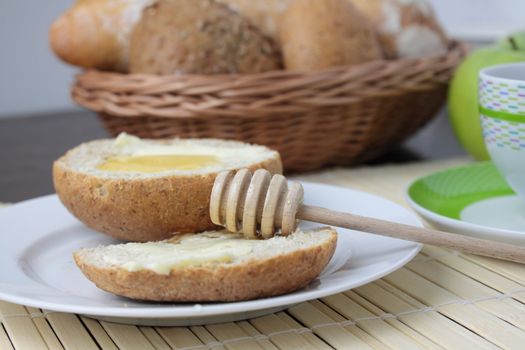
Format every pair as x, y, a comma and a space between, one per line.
440, 300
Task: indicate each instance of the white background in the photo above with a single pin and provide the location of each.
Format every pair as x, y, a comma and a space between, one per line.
33, 81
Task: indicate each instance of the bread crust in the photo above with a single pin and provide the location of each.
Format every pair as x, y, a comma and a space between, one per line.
95, 33
141, 209
329, 33
253, 279
198, 37
266, 14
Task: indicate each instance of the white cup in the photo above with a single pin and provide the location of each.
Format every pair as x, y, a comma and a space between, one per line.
502, 113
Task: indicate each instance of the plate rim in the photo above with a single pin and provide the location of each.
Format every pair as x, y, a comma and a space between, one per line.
192, 310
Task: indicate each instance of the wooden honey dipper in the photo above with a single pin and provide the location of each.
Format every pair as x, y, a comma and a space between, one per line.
260, 205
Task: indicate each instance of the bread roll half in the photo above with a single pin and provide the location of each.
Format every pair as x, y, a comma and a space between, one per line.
211, 266
158, 200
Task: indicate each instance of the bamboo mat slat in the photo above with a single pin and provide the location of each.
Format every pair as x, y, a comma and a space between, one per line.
277, 323
430, 323
207, 338
225, 331
98, 333
509, 269
252, 332
374, 315
476, 272
43, 326
154, 338
461, 311
126, 336
316, 342
365, 320
466, 288
351, 327
440, 300
20, 328
70, 331
327, 328
5, 343
180, 337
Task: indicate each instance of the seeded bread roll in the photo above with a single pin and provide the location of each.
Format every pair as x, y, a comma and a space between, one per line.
406, 28
153, 205
265, 14
210, 266
321, 34
199, 37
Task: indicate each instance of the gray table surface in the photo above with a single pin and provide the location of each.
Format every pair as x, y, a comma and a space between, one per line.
28, 146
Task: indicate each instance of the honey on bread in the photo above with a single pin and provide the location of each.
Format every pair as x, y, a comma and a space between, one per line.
133, 154
158, 163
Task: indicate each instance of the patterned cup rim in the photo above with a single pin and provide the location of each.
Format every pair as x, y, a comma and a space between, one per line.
511, 73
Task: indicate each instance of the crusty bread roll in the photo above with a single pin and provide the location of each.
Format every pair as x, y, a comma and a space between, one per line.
406, 28
199, 37
264, 14
95, 33
319, 34
169, 193
210, 266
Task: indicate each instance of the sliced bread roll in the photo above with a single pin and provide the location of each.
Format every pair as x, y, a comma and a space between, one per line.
144, 190
210, 266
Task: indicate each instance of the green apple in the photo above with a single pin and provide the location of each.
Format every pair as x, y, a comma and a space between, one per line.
463, 91
514, 41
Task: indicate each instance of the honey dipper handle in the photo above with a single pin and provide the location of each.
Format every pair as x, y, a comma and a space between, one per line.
436, 238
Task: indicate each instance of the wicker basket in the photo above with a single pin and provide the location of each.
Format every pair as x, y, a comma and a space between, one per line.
339, 116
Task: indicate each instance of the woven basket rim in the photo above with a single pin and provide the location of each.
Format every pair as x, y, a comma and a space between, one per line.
254, 95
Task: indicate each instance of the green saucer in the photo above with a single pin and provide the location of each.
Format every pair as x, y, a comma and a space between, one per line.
448, 192
473, 200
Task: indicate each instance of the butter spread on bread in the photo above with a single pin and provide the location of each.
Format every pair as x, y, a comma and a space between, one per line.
183, 250
210, 266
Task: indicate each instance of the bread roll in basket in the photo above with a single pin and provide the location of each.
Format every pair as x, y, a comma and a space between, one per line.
330, 116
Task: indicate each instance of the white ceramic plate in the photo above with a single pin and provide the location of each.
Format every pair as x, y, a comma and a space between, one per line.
37, 269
